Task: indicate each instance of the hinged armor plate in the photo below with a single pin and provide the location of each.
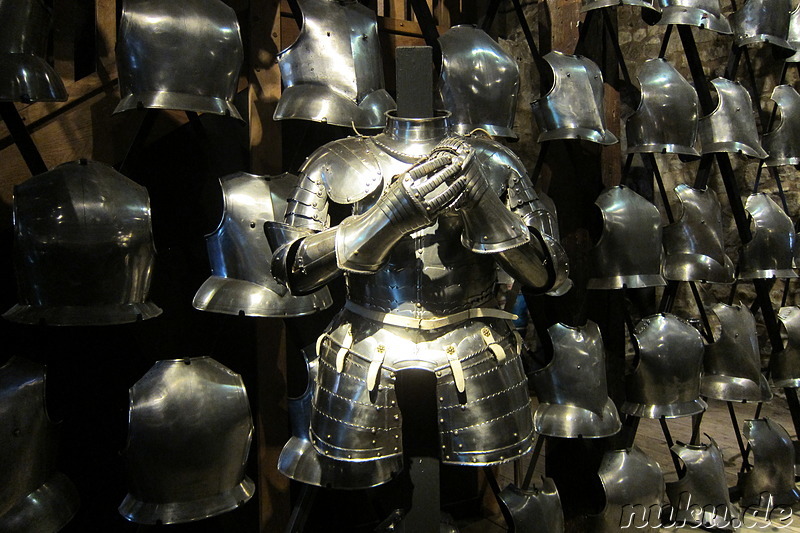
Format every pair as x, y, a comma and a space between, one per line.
731, 127
179, 55
629, 251
762, 21
702, 13
240, 257
770, 253
770, 482
333, 72
588, 5
536, 510
666, 119
694, 245
783, 142
84, 248
189, 433
666, 380
784, 366
572, 389
573, 107
794, 35
732, 365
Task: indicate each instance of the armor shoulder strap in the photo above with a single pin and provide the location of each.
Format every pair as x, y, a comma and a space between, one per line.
346, 168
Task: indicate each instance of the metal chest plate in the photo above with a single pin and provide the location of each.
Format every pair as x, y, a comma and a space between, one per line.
573, 107
333, 72
770, 253
666, 120
784, 367
693, 244
783, 142
629, 251
764, 21
794, 35
731, 127
705, 14
770, 483
588, 5
536, 510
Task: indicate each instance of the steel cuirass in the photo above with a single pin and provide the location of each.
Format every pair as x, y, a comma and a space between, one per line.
33, 498
573, 107
333, 72
572, 389
732, 365
666, 380
25, 76
700, 497
179, 55
731, 127
764, 21
770, 253
189, 432
240, 257
694, 248
83, 248
536, 510
702, 13
770, 482
784, 366
629, 251
478, 83
634, 487
794, 35
588, 5
783, 142
666, 119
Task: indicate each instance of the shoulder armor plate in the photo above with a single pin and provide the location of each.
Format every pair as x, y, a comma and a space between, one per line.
701, 13
783, 142
770, 253
784, 367
731, 127
771, 481
764, 21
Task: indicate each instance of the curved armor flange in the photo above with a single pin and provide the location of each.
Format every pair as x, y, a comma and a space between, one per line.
783, 142
179, 55
84, 248
629, 251
732, 365
784, 366
33, 498
573, 107
333, 72
588, 5
794, 35
731, 127
240, 257
700, 497
666, 380
762, 21
572, 389
189, 433
704, 14
770, 253
770, 483
536, 510
634, 487
666, 119
694, 248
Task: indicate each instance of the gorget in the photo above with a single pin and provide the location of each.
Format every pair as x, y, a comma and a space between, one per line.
784, 366
588, 5
770, 253
704, 14
783, 142
731, 127
770, 482
762, 21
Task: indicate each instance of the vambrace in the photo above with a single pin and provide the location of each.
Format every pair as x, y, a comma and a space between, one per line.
303, 260
540, 263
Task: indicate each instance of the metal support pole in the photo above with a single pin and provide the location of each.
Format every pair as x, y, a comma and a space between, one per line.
23, 140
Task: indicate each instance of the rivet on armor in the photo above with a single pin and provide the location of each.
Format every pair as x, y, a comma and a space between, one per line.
397, 417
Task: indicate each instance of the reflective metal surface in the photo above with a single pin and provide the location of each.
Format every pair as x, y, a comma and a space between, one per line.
666, 380
666, 120
572, 389
764, 21
25, 76
629, 252
83, 248
731, 127
536, 510
478, 83
573, 107
694, 245
587, 5
784, 366
770, 482
770, 253
794, 34
240, 257
705, 14
732, 365
204, 34
333, 72
189, 433
783, 142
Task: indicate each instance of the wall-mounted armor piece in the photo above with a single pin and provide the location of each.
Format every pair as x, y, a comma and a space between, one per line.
731, 127
783, 142
536, 510
202, 34
629, 251
700, 497
694, 248
240, 257
588, 5
83, 248
770, 482
25, 76
479, 82
704, 14
33, 498
333, 72
732, 365
666, 119
794, 35
572, 389
573, 107
784, 366
762, 21
189, 433
634, 487
666, 379
770, 253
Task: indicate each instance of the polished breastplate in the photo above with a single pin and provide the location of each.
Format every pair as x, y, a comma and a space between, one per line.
783, 142
770, 253
762, 21
731, 127
784, 366
701, 13
770, 482
588, 5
